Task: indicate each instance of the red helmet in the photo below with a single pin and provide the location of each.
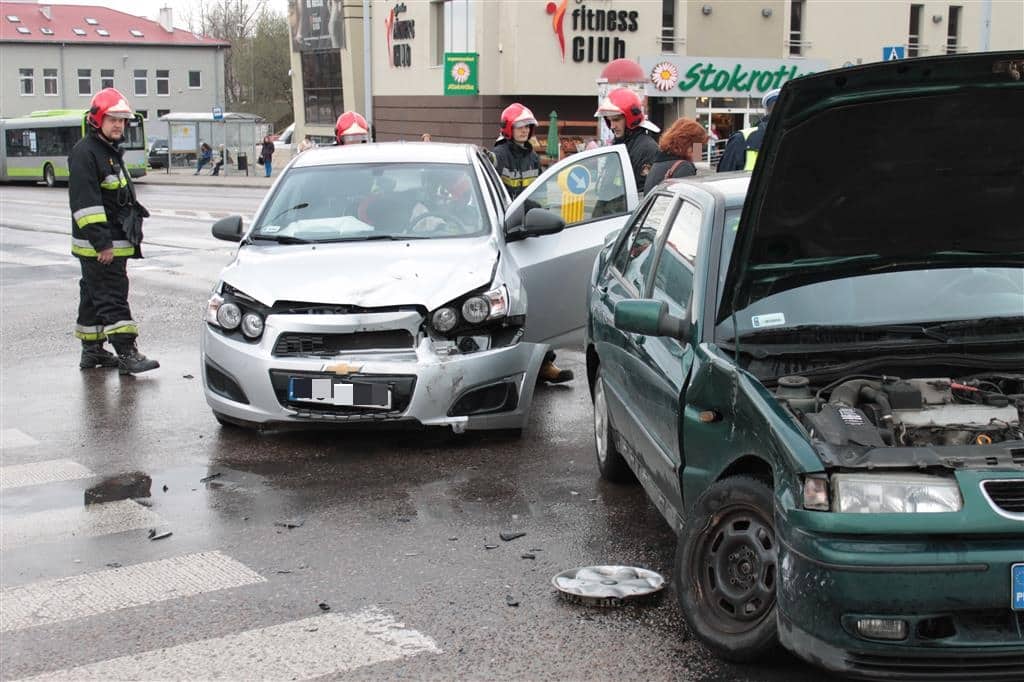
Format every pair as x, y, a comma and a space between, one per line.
516, 116
622, 102
108, 102
351, 127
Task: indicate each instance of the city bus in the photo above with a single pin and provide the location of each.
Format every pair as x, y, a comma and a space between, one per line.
36, 147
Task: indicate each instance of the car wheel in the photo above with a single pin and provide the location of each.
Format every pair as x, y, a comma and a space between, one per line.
48, 176
232, 423
609, 460
726, 569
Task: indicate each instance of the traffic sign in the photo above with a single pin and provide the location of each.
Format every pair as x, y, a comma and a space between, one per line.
218, 114
578, 180
893, 52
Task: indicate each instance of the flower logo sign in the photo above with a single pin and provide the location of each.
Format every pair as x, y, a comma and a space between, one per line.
665, 76
460, 72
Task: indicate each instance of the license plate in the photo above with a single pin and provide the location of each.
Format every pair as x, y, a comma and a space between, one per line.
1017, 587
345, 394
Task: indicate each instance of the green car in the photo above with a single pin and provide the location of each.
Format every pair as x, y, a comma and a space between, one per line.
816, 371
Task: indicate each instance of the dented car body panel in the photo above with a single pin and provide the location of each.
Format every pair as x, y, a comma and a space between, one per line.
872, 376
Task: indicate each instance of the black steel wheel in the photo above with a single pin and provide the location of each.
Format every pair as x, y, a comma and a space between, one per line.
726, 569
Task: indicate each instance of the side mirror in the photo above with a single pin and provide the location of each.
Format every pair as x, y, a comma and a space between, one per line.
540, 222
229, 229
650, 318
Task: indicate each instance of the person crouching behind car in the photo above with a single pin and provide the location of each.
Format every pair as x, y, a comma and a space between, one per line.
675, 152
351, 128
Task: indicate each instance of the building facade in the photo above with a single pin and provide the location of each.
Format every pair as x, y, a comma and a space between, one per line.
58, 56
448, 67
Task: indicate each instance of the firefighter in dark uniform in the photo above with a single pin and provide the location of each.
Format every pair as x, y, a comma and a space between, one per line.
518, 165
102, 203
741, 149
623, 112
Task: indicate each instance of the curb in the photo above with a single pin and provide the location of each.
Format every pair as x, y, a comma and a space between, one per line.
206, 180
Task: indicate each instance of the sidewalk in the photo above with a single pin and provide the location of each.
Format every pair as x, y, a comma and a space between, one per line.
185, 176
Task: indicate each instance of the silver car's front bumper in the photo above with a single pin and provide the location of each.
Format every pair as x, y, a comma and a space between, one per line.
436, 380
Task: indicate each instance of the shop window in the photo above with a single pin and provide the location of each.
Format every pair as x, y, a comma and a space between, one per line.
796, 28
163, 82
49, 81
953, 30
106, 78
914, 32
28, 81
141, 81
195, 79
85, 81
322, 86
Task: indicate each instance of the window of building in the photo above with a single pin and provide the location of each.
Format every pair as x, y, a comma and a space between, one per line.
136, 32
796, 28
85, 81
46, 31
13, 18
144, 113
24, 29
78, 31
162, 112
49, 81
102, 32
28, 81
953, 30
321, 85
437, 32
106, 78
668, 26
163, 82
91, 21
141, 81
195, 79
914, 32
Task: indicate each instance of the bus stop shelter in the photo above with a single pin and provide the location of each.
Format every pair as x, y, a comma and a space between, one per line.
238, 132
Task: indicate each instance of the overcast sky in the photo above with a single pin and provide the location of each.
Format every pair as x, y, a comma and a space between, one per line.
151, 8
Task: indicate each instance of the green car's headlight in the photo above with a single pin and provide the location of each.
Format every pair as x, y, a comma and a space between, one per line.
895, 493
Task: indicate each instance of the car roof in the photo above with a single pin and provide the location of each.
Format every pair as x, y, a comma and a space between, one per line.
732, 186
387, 152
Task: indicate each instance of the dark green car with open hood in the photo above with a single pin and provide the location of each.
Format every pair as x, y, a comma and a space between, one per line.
816, 371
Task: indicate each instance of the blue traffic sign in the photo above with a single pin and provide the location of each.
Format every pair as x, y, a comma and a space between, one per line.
892, 52
218, 114
578, 180
1017, 587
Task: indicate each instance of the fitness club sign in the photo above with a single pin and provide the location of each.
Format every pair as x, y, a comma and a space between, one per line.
399, 53
597, 30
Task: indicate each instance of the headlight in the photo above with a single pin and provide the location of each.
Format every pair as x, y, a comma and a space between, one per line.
252, 325
895, 493
475, 310
497, 301
444, 319
229, 316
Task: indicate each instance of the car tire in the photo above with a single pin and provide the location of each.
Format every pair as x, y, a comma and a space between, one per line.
610, 463
232, 423
49, 177
726, 570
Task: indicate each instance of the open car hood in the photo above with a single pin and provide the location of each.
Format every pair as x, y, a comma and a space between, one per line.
891, 166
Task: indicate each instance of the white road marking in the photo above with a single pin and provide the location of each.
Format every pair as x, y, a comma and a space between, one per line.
55, 601
85, 521
313, 647
13, 438
50, 471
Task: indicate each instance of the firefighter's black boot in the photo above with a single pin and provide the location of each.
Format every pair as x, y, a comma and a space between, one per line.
129, 359
95, 355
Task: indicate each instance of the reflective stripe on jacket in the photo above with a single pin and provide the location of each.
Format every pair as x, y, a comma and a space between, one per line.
517, 165
99, 194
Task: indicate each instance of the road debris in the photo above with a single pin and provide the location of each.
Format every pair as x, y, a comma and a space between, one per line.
121, 487
160, 536
511, 601
212, 476
607, 585
324, 606
165, 488
490, 547
290, 523
113, 564
508, 536
528, 555
187, 376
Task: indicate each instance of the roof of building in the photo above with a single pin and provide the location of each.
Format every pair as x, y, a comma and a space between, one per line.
22, 22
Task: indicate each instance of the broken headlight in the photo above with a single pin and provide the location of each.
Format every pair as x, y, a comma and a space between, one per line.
895, 493
470, 311
229, 309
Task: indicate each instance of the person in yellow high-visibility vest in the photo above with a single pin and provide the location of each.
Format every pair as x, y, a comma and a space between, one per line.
741, 149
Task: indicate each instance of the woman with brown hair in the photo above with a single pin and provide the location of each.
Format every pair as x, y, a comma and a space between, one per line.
675, 152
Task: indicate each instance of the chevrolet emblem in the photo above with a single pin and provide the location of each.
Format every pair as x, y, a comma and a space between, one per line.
343, 369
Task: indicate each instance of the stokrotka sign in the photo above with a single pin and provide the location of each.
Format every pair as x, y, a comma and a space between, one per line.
721, 76
593, 45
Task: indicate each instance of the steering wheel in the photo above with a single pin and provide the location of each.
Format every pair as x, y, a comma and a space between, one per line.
449, 224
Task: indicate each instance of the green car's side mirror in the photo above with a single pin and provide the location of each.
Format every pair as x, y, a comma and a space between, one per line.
650, 318
229, 229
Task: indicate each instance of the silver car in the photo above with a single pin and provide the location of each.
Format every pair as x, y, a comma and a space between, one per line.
397, 282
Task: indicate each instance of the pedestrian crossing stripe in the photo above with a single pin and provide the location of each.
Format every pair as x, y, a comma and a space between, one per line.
37, 473
13, 438
331, 644
63, 524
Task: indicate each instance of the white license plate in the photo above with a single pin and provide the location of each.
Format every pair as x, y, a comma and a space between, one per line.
345, 394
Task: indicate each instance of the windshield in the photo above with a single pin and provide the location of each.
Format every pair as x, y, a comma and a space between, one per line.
355, 202
134, 137
892, 298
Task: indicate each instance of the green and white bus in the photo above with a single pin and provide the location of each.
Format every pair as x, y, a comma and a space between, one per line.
36, 147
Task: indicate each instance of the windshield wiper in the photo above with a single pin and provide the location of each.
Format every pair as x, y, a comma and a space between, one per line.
824, 333
370, 238
282, 239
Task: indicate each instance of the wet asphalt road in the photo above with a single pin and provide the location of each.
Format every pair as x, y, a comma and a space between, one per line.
391, 523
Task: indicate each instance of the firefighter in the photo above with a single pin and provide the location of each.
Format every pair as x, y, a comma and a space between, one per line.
105, 232
623, 112
351, 128
516, 162
742, 148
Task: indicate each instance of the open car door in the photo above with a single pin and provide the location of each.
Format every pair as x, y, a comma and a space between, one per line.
593, 192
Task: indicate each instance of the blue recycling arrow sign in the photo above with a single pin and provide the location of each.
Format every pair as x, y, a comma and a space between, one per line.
893, 52
578, 180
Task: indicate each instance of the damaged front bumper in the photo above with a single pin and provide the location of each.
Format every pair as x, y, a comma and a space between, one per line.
904, 596
431, 383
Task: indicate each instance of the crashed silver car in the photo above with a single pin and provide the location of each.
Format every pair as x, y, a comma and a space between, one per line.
397, 282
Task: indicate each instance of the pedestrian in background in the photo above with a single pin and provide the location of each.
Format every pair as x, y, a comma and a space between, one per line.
205, 156
305, 144
623, 112
267, 155
222, 158
106, 230
675, 152
425, 137
742, 148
